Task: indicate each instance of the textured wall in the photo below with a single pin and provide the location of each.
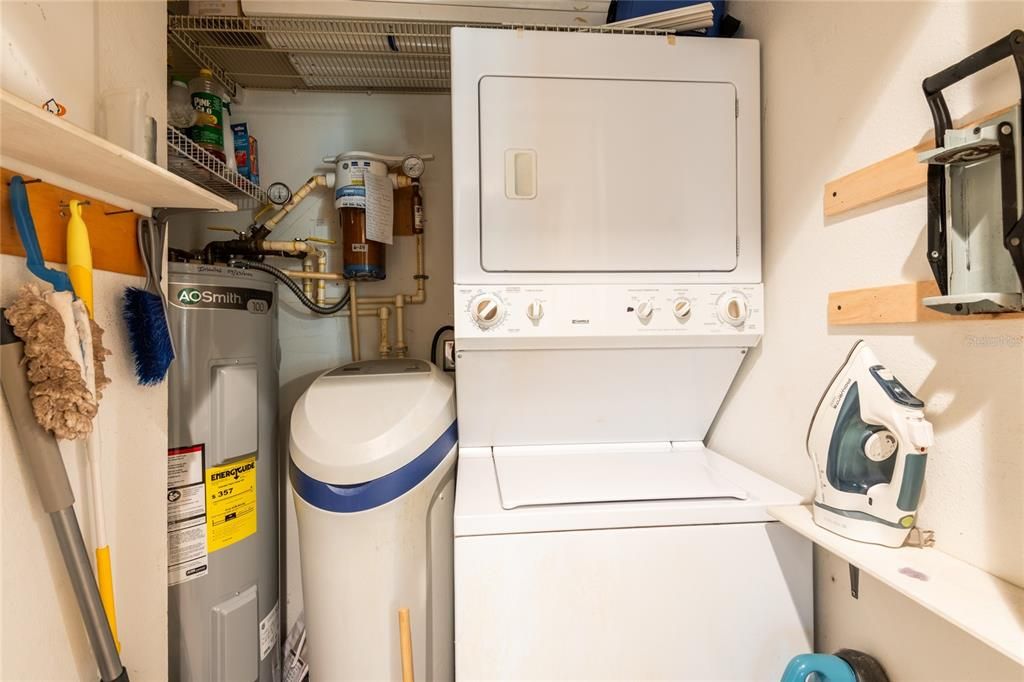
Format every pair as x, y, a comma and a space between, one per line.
841, 89
74, 51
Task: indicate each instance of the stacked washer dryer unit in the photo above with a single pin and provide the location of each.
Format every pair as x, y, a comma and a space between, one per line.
607, 288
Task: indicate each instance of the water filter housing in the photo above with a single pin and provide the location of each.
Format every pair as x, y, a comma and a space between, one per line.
373, 448
223, 605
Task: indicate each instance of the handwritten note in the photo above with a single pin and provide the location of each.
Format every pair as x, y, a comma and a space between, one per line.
380, 208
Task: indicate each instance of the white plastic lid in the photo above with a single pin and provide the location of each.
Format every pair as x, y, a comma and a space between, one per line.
363, 420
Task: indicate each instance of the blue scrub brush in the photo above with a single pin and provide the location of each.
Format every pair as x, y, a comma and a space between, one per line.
145, 311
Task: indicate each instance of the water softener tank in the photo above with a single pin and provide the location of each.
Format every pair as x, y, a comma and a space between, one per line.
222, 476
373, 448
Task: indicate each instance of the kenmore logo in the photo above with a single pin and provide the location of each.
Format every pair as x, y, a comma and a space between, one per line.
581, 321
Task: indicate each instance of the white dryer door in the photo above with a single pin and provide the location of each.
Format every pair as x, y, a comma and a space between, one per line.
595, 175
574, 474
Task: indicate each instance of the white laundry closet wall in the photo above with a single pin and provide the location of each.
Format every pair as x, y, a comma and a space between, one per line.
295, 131
75, 51
842, 89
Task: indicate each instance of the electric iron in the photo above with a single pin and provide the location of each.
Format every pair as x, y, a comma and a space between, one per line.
868, 440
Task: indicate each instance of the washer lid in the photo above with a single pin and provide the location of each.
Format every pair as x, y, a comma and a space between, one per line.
364, 420
622, 472
480, 505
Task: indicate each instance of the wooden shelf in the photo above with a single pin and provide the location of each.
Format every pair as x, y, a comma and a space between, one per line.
984, 606
891, 176
895, 304
41, 145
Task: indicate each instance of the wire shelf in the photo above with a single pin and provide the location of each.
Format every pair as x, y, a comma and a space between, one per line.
328, 53
190, 161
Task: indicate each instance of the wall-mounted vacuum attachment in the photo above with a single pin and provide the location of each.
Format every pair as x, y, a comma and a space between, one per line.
222, 476
975, 195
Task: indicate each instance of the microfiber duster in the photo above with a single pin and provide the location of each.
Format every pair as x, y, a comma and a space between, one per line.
145, 311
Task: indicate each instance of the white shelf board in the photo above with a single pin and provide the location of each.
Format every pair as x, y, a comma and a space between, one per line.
37, 143
979, 603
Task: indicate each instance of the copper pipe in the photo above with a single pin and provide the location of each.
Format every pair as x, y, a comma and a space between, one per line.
353, 325
383, 313
401, 348
302, 193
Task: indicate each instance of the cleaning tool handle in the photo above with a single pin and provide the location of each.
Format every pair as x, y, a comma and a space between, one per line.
29, 239
405, 640
44, 459
42, 456
152, 254
152, 235
79, 256
105, 581
76, 560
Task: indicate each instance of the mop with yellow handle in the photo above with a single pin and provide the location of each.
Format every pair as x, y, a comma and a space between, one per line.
405, 640
80, 273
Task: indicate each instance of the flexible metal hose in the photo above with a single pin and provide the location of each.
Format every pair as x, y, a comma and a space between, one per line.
290, 283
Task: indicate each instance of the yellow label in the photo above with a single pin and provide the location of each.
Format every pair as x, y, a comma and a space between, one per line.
230, 503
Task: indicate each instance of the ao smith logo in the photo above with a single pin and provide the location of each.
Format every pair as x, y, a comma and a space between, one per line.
192, 296
233, 472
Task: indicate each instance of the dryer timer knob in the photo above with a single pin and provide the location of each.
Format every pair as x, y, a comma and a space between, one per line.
486, 310
733, 308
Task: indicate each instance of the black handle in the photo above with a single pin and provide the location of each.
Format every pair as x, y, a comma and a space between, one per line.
1012, 45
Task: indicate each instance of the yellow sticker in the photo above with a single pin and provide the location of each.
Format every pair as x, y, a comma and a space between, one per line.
230, 503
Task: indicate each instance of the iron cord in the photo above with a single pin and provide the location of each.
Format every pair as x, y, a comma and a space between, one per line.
290, 283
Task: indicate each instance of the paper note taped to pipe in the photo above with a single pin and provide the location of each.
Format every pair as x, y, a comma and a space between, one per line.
230, 503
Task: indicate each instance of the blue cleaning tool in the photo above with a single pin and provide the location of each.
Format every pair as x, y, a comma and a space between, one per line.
846, 665
30, 240
145, 311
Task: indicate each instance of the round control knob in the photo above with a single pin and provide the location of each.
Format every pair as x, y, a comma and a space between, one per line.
487, 310
733, 308
535, 311
644, 311
681, 308
880, 445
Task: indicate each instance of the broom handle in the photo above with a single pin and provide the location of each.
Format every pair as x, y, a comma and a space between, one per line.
43, 459
405, 633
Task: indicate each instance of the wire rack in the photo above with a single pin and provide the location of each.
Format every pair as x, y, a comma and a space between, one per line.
195, 164
328, 54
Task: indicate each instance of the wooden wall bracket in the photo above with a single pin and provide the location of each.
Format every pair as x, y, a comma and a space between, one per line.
896, 304
891, 176
112, 229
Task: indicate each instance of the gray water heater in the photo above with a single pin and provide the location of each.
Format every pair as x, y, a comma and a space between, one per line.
222, 476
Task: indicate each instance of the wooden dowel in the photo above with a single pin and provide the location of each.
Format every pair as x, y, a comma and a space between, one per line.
405, 634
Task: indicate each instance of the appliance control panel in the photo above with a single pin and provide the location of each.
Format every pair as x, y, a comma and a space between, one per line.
610, 311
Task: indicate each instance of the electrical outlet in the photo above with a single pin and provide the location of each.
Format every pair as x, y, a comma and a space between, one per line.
448, 359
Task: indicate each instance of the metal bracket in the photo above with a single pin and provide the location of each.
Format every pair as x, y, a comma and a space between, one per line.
1011, 46
854, 581
1013, 223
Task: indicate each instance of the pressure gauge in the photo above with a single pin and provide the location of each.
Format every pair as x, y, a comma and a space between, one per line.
412, 166
279, 194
